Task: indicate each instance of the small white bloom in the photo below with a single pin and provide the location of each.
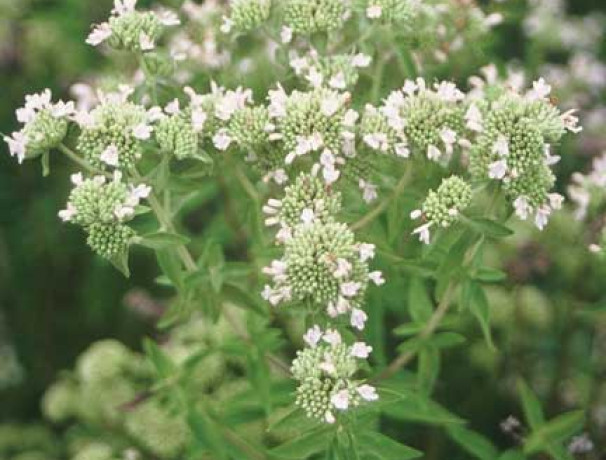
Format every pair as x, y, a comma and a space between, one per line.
410, 87
501, 146
155, 114
374, 12
377, 141
358, 318
448, 136
313, 336
361, 60
142, 131
416, 214
540, 90
369, 191
222, 140
139, 192
360, 350
542, 217
550, 159
314, 77
110, 156
350, 118
173, 107
17, 145
350, 288
368, 392
433, 153
146, 42
377, 278
308, 216
367, 251
571, 121
123, 212
329, 417
122, 7
168, 18
474, 119
402, 150
497, 169
555, 201
343, 268
198, 119
338, 81
227, 25
423, 232
448, 91
332, 337
99, 34
77, 179
522, 207
66, 214
330, 105
286, 34
340, 400
330, 174
493, 19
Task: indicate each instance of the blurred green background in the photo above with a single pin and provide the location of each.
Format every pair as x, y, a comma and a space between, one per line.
56, 297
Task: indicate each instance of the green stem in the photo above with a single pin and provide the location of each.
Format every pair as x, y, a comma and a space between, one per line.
69, 153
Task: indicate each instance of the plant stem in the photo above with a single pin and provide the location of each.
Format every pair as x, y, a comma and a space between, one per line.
376, 212
69, 153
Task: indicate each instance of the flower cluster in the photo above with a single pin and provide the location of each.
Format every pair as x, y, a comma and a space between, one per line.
325, 370
44, 126
246, 15
425, 119
442, 207
515, 133
130, 29
339, 72
102, 207
310, 16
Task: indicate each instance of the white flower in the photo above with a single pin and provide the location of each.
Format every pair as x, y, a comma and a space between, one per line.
340, 400
66, 214
350, 118
473, 118
493, 19
308, 216
423, 232
369, 191
361, 60
571, 121
501, 146
360, 350
145, 42
222, 140
198, 119
138, 193
410, 87
367, 251
358, 318
299, 64
540, 90
277, 99
338, 81
448, 136
332, 337
368, 392
350, 288
555, 200
402, 150
522, 207
330, 174
142, 131
286, 34
313, 336
416, 214
17, 145
168, 18
77, 179
448, 91
377, 141
63, 109
377, 278
314, 77
173, 107
433, 153
550, 159
330, 105
231, 102
110, 156
155, 114
329, 417
280, 177
343, 268
227, 25
374, 12
542, 216
99, 34
122, 7
497, 169
122, 212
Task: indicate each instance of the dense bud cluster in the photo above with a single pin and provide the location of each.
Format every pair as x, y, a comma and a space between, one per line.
246, 15
397, 11
309, 198
513, 146
101, 207
325, 371
442, 207
310, 16
44, 126
130, 29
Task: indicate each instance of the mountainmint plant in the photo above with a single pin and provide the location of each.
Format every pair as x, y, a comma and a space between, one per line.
281, 159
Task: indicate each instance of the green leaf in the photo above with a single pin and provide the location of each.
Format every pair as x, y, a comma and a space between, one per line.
429, 369
512, 455
474, 443
207, 433
474, 297
304, 446
531, 405
414, 406
420, 305
377, 446
490, 228
120, 262
489, 275
557, 430
170, 264
163, 364
446, 340
417, 267
163, 240
244, 299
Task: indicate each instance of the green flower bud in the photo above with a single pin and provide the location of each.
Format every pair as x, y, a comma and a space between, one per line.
109, 240
247, 15
443, 206
310, 16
